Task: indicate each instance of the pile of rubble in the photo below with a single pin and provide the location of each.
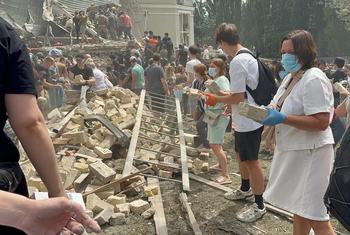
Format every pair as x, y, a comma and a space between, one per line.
92, 158
86, 161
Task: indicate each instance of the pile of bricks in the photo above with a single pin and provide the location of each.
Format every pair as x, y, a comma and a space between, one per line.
86, 159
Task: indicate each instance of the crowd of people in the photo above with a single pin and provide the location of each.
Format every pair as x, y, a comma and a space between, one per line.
108, 21
306, 115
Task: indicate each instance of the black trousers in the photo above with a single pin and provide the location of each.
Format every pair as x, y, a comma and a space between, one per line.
202, 131
21, 189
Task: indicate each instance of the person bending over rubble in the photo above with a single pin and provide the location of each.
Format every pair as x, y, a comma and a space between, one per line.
81, 69
18, 105
101, 79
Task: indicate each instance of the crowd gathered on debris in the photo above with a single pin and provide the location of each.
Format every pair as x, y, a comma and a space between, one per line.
306, 118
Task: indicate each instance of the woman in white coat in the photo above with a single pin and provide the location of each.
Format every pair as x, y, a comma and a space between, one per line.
304, 155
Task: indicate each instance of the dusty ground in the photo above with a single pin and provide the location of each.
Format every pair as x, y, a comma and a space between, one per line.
215, 214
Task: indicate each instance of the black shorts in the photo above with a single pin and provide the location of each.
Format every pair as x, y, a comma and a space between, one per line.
247, 144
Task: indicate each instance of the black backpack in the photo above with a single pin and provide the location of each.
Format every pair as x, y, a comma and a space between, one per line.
337, 197
267, 87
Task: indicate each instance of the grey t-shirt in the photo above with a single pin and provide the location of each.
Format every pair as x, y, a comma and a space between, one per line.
154, 75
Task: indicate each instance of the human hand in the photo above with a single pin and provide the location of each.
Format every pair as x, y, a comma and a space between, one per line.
54, 216
211, 99
273, 118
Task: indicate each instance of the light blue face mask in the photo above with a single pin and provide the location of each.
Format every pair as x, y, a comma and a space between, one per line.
290, 63
212, 72
282, 74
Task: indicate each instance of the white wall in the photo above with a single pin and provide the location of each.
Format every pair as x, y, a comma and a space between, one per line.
162, 16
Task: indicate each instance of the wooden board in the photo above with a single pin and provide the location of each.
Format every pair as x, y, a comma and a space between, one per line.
184, 166
193, 221
157, 204
135, 134
227, 189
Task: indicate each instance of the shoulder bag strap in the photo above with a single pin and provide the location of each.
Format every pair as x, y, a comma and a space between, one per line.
292, 83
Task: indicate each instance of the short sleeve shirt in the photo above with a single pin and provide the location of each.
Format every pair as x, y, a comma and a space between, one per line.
154, 75
138, 71
224, 85
16, 78
244, 71
86, 72
311, 95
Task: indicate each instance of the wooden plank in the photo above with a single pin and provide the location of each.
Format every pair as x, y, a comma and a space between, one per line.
92, 159
185, 179
227, 189
63, 123
158, 141
134, 137
157, 204
193, 221
163, 164
161, 178
155, 151
113, 182
161, 133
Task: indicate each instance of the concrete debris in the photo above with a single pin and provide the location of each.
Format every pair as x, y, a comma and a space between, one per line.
139, 206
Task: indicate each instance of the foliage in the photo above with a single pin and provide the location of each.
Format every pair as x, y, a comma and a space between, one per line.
264, 22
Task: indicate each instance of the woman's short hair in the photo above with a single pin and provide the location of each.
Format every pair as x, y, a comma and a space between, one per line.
304, 47
218, 62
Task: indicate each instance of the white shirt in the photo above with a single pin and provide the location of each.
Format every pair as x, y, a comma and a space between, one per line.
244, 71
100, 78
206, 54
189, 68
311, 95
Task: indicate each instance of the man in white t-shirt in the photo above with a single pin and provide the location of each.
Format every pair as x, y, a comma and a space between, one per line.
193, 52
244, 71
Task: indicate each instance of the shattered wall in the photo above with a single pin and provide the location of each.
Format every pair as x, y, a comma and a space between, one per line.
20, 11
72, 6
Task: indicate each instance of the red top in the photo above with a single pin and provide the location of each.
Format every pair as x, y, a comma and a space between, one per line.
127, 21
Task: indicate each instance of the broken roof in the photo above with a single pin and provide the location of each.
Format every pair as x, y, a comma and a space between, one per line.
72, 6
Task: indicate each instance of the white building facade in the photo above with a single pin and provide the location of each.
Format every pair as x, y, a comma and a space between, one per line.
165, 16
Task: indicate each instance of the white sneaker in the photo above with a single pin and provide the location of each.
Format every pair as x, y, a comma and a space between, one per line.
252, 214
239, 195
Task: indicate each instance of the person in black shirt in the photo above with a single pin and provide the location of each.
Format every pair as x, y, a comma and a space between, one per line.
182, 55
81, 69
18, 104
76, 22
156, 83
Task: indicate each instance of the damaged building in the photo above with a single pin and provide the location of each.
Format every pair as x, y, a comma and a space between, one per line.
33, 16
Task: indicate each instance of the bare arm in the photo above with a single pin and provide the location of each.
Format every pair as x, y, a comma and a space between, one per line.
91, 81
340, 111
231, 99
49, 85
316, 122
165, 86
133, 81
29, 125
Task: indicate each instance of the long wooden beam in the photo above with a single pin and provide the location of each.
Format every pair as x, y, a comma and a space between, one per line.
193, 221
184, 166
157, 204
227, 189
135, 134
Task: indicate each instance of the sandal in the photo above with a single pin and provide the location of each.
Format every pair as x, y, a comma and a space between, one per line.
223, 180
216, 167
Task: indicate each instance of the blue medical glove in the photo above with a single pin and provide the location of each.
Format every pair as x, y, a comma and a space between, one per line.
273, 118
